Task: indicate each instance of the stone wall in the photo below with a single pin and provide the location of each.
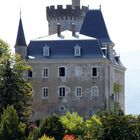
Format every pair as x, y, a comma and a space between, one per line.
85, 105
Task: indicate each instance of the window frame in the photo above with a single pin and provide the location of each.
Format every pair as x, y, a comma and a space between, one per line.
63, 95
46, 50
31, 71
77, 50
59, 75
78, 71
93, 93
44, 90
77, 93
97, 72
44, 73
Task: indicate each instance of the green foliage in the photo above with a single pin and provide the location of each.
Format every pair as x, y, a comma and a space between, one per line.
111, 126
33, 135
93, 128
10, 127
117, 88
73, 124
46, 138
14, 89
3, 48
117, 108
52, 126
102, 126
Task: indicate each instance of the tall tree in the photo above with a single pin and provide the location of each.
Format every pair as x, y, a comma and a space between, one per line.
10, 127
14, 89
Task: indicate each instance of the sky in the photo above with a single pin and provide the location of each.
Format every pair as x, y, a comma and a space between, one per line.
122, 20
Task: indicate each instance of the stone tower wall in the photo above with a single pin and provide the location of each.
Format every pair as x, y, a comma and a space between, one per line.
65, 16
21, 50
75, 3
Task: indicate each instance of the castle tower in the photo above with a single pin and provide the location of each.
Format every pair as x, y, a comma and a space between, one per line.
75, 3
65, 16
20, 45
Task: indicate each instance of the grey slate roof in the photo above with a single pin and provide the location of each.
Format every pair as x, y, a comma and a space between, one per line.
20, 40
64, 48
94, 26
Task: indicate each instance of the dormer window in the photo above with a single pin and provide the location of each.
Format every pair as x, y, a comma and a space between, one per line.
46, 50
77, 50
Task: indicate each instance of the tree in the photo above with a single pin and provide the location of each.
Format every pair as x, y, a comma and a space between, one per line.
52, 126
44, 137
113, 126
73, 124
93, 128
10, 126
14, 89
117, 88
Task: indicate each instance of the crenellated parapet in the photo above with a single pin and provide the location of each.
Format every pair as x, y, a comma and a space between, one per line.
69, 11
65, 16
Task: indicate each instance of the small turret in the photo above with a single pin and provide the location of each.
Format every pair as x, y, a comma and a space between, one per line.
20, 45
66, 16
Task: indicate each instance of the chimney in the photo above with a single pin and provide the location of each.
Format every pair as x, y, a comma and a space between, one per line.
73, 29
58, 29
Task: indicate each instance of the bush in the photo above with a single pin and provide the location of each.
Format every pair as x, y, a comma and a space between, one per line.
73, 124
46, 138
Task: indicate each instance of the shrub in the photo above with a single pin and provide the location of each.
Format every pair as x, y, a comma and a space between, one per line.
46, 138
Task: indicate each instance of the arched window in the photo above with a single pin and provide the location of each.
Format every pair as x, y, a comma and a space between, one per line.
94, 91
62, 72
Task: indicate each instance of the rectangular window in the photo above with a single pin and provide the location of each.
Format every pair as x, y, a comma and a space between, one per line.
62, 72
94, 92
62, 91
94, 72
45, 93
29, 73
78, 92
78, 71
45, 72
